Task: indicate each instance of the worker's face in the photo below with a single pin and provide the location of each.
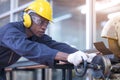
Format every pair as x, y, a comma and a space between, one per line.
39, 25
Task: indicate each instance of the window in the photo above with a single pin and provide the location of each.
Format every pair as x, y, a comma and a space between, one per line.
18, 16
22, 2
4, 6
4, 20
69, 23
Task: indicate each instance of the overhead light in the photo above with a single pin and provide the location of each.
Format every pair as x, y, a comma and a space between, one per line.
99, 6
82, 9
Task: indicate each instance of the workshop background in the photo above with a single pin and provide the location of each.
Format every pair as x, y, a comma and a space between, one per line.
76, 22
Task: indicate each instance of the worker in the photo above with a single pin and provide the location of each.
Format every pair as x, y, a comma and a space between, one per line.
111, 31
27, 39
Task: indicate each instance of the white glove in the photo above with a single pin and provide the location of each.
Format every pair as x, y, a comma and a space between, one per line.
90, 57
76, 58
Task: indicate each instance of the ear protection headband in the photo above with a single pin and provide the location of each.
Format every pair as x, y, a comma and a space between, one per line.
27, 21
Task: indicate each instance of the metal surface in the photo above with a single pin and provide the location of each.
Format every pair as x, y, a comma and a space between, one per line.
100, 66
104, 66
81, 69
115, 68
107, 65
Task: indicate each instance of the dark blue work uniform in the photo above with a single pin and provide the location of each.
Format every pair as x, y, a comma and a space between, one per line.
15, 43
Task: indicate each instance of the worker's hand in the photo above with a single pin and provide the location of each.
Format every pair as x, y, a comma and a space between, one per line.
90, 56
77, 57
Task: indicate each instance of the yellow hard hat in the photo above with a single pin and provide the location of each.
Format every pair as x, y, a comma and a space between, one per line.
42, 8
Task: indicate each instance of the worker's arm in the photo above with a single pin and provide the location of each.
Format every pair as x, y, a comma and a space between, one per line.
61, 56
74, 58
34, 51
63, 47
114, 47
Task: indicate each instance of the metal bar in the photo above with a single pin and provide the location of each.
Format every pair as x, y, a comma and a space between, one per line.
11, 75
90, 23
63, 74
34, 74
2, 74
43, 74
69, 74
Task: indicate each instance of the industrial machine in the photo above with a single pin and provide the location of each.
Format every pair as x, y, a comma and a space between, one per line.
103, 66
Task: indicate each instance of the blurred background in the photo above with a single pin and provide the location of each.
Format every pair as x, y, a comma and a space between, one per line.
76, 22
